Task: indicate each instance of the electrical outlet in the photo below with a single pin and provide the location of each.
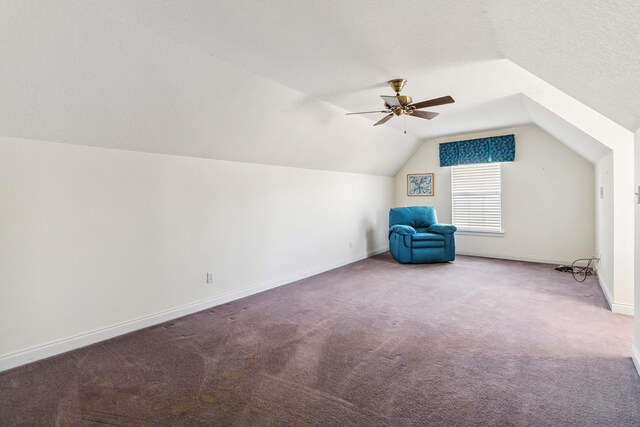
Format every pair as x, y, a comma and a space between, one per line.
350, 245
211, 277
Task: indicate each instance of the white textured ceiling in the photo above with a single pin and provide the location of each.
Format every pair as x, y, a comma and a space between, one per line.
588, 49
334, 49
326, 49
269, 82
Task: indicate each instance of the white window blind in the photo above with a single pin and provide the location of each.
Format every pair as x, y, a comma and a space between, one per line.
476, 200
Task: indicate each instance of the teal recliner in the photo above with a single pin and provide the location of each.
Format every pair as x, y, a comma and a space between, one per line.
415, 237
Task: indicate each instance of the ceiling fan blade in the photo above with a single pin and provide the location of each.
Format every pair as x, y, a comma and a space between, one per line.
391, 101
424, 114
369, 112
385, 119
433, 102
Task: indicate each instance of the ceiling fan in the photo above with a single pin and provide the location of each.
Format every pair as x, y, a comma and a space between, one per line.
402, 104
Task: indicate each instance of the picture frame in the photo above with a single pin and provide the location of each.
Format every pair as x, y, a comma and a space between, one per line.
420, 184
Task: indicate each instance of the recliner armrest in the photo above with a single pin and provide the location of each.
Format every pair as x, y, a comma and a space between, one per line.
442, 228
402, 229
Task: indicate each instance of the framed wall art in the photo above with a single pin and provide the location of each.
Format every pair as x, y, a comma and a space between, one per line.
420, 184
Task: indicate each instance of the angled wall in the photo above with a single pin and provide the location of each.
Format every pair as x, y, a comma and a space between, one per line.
72, 74
611, 147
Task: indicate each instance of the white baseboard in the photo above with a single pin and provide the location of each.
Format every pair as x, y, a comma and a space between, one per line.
605, 290
635, 356
627, 309
512, 257
54, 348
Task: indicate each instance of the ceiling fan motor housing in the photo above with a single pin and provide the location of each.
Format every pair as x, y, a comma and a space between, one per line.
403, 100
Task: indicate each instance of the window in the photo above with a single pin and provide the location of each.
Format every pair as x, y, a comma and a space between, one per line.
476, 200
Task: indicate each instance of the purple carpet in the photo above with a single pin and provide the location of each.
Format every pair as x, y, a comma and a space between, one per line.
474, 342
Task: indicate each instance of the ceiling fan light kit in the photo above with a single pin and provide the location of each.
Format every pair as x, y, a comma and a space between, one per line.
399, 105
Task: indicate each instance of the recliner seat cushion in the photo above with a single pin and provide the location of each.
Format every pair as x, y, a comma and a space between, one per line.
427, 240
428, 236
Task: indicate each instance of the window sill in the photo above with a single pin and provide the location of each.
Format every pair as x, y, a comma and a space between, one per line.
484, 233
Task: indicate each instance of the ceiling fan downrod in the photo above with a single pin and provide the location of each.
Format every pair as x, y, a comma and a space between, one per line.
397, 85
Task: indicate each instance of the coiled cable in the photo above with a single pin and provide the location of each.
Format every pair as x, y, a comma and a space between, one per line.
579, 272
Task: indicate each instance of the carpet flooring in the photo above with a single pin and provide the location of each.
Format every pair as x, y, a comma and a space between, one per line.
474, 342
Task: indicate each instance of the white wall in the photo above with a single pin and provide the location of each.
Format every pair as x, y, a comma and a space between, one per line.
91, 238
604, 225
613, 234
548, 200
636, 340
582, 126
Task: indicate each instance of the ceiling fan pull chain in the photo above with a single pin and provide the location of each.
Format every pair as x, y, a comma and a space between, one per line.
405, 124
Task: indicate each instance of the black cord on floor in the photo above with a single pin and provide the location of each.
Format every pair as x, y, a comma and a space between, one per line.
579, 273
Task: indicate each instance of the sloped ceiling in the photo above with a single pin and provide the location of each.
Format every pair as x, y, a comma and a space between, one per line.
269, 82
327, 49
589, 49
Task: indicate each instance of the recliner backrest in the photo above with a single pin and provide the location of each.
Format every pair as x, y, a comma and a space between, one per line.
415, 216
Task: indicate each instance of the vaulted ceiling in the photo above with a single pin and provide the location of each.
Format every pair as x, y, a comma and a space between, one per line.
270, 82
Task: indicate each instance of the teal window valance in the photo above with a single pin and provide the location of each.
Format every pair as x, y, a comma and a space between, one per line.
482, 150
